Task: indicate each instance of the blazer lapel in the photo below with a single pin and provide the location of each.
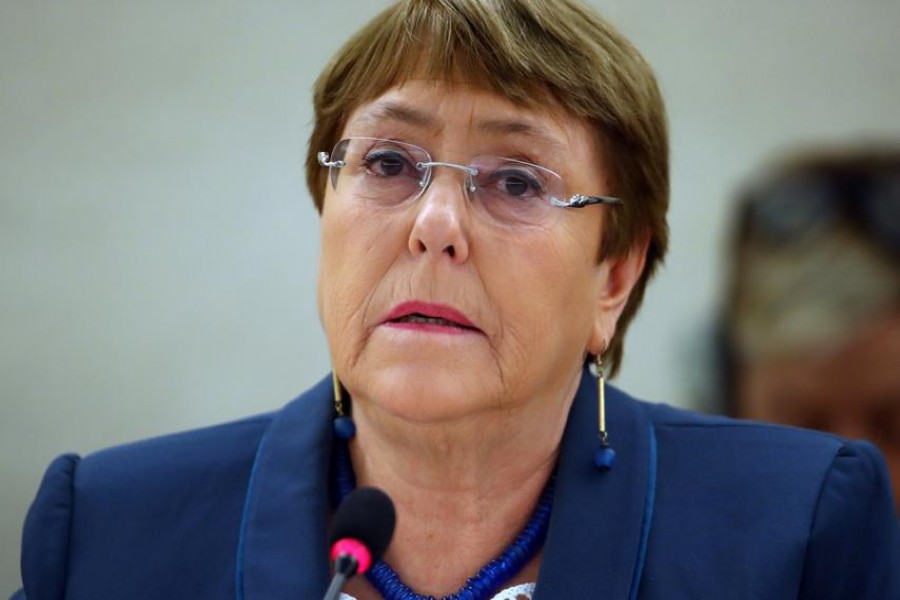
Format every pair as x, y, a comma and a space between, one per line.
282, 548
598, 530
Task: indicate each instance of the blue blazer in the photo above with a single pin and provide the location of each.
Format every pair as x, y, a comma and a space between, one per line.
695, 507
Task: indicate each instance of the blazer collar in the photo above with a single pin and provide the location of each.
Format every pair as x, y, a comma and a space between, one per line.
596, 539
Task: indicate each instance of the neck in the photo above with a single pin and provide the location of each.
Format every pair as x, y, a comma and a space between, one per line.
462, 490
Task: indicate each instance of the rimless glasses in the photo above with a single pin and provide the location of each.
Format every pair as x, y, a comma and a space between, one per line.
388, 173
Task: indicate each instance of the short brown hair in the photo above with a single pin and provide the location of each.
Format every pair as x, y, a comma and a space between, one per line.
525, 51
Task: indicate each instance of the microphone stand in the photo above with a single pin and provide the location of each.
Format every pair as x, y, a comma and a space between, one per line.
344, 568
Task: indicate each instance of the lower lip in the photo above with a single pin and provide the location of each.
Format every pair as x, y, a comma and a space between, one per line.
429, 328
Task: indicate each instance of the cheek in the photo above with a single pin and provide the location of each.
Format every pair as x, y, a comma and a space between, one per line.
349, 270
566, 266
547, 294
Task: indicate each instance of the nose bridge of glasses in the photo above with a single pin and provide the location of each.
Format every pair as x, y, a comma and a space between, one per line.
428, 173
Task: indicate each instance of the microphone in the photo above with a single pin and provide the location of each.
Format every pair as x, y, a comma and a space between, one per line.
359, 535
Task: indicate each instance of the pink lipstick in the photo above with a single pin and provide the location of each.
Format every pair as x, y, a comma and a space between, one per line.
429, 317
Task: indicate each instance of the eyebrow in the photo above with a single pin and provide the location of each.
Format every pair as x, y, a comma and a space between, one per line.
396, 111
521, 128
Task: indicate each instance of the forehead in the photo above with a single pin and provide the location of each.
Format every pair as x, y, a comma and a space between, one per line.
427, 110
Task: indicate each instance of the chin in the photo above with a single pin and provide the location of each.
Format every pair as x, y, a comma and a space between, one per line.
430, 393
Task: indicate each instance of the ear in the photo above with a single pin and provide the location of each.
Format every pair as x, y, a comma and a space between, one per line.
616, 277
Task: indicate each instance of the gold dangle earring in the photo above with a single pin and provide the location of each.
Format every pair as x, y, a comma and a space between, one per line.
605, 456
344, 427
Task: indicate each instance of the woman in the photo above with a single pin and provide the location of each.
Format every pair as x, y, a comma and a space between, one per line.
492, 181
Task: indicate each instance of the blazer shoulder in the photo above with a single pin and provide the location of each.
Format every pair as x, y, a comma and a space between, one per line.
99, 497
854, 539
811, 510
745, 456
736, 450
47, 531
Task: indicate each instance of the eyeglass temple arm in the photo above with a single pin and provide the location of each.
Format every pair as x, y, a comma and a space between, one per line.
580, 201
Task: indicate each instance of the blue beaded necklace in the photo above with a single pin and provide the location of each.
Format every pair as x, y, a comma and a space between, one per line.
480, 586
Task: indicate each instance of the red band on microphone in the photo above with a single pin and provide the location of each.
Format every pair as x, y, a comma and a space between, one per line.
354, 548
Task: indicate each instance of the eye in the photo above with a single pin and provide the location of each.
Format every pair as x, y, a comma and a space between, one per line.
515, 182
389, 163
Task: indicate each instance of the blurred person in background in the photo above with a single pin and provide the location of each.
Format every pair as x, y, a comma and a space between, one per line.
811, 333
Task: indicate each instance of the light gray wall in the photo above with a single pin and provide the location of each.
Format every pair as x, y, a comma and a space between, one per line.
158, 247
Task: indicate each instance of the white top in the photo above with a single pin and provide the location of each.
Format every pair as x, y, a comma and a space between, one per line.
517, 592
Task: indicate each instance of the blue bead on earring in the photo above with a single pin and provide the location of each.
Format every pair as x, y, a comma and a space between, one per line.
344, 427
605, 456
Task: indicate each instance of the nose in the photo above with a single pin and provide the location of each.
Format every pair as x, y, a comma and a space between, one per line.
441, 227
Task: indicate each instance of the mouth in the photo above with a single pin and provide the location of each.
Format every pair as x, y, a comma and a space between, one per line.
420, 319
429, 317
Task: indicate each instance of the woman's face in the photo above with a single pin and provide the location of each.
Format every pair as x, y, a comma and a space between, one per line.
511, 308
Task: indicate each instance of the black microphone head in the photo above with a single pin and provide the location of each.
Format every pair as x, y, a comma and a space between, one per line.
366, 514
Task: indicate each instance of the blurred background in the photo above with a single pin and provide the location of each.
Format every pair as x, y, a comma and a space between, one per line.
158, 247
